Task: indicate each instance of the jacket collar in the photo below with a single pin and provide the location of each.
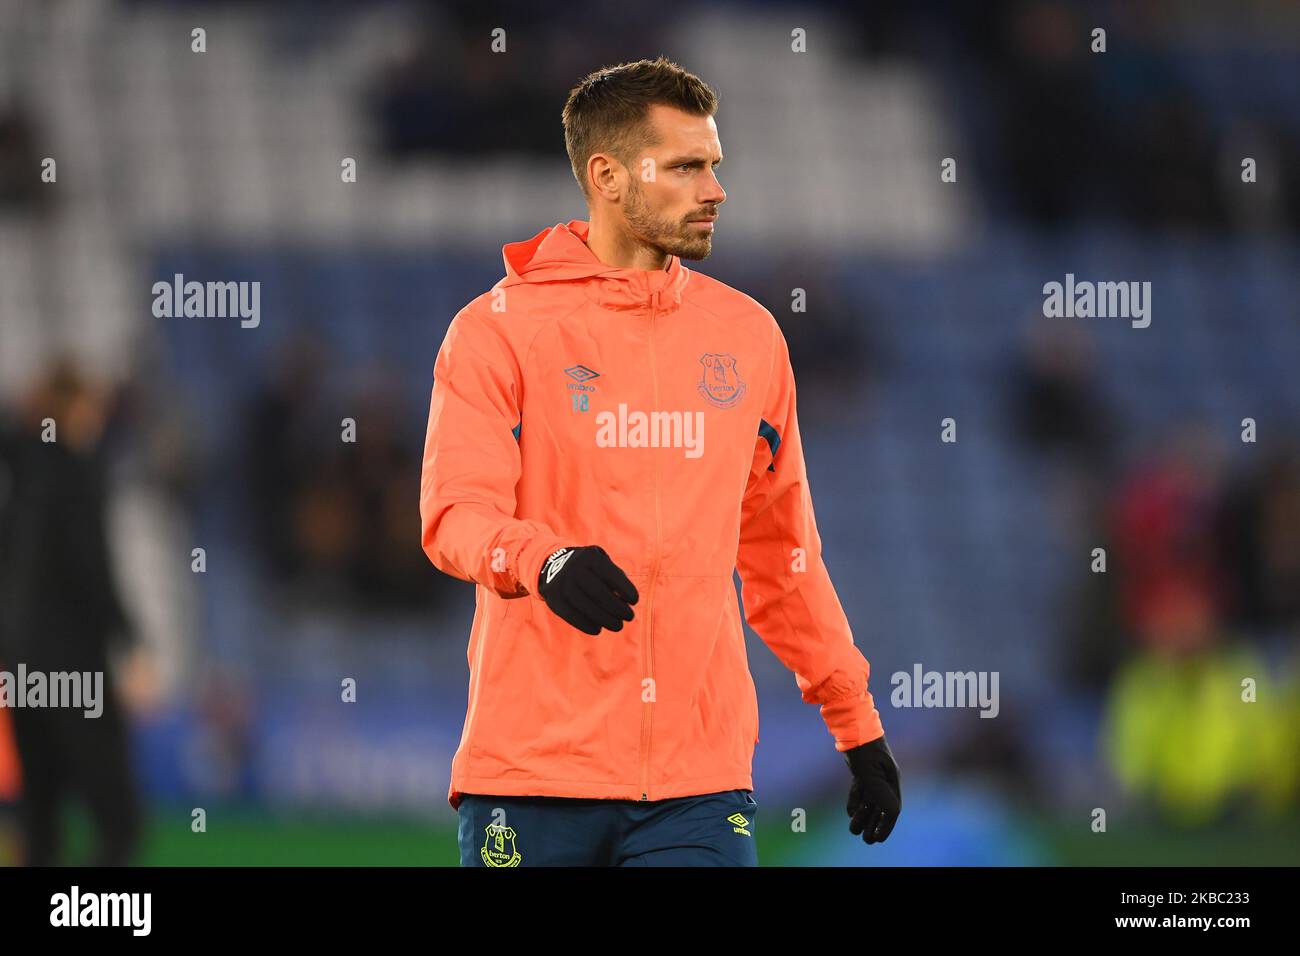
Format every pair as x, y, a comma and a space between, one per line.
561, 254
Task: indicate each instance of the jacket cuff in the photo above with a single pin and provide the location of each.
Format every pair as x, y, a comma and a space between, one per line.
534, 554
853, 721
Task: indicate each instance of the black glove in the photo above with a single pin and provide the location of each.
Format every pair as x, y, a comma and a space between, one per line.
875, 798
587, 589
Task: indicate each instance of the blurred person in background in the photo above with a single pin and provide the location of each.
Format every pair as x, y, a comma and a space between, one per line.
1059, 419
1198, 725
10, 788
63, 613
330, 526
1056, 404
1164, 519
19, 191
1197, 721
1059, 416
281, 416
1261, 545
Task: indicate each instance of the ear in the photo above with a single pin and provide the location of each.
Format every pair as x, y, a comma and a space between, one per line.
606, 176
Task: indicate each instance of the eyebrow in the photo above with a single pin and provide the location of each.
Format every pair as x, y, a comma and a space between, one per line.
691, 161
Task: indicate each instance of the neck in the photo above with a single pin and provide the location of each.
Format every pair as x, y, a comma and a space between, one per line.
615, 246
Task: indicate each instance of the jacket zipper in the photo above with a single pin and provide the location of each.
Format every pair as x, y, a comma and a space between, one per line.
647, 640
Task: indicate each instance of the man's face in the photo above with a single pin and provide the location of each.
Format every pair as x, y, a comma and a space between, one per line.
682, 188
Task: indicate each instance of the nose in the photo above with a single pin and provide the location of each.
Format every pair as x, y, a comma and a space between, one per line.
713, 191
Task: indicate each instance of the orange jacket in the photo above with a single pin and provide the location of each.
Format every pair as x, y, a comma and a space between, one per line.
542, 434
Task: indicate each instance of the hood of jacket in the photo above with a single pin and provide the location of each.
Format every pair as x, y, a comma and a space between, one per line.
560, 254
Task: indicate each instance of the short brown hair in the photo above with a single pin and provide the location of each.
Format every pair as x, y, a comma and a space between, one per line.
607, 111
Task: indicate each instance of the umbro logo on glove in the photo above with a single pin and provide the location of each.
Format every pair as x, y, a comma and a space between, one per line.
556, 561
588, 590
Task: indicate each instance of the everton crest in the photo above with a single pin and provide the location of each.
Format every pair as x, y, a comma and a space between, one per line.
720, 383
499, 847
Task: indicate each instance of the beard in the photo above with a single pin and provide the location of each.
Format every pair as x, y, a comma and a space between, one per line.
671, 237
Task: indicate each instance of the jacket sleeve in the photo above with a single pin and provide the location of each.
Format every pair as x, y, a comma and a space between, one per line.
786, 590
472, 464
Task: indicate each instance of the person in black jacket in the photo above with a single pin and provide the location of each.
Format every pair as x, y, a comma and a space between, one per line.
61, 613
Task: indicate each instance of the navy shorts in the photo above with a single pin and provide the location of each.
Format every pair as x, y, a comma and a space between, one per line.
712, 829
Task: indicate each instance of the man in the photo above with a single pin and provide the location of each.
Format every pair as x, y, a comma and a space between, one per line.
610, 430
63, 614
